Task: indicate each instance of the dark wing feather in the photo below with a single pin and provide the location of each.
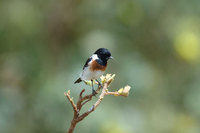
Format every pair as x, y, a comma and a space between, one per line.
86, 63
78, 81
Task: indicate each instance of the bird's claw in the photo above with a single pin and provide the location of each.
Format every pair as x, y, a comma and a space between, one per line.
94, 93
100, 85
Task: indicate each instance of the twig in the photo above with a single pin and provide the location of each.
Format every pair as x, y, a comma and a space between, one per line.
84, 99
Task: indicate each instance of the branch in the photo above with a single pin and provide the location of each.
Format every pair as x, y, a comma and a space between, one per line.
106, 81
71, 100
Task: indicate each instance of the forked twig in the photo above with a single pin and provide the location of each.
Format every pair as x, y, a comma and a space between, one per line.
82, 100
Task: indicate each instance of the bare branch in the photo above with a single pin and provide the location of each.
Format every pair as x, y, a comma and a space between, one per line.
81, 94
71, 100
106, 80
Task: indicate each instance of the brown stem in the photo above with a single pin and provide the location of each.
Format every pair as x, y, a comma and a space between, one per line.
82, 100
72, 127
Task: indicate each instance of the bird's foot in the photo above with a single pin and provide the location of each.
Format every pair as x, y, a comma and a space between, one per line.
99, 84
94, 93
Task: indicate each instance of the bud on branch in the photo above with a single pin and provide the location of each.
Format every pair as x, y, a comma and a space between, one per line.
105, 81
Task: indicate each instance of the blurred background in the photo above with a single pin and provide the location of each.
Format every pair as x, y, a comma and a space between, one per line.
44, 45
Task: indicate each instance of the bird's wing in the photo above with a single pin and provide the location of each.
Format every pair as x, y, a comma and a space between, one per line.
86, 63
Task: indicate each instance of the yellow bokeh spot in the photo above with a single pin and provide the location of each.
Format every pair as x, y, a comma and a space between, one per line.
187, 46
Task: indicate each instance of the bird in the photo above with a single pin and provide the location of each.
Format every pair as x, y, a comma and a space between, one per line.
95, 67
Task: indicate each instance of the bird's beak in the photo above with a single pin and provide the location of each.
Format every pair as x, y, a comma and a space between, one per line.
111, 58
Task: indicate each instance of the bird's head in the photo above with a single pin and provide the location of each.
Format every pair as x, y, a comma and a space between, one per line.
103, 54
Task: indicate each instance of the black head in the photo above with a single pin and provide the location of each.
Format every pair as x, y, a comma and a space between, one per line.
103, 54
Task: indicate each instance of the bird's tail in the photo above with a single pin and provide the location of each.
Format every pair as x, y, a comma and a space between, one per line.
78, 81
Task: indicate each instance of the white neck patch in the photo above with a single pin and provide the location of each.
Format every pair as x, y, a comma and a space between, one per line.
94, 57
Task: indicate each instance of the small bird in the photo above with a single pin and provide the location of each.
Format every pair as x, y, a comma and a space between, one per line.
95, 66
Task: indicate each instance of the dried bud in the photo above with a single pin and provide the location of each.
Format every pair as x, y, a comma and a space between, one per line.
88, 82
107, 78
112, 77
103, 79
124, 91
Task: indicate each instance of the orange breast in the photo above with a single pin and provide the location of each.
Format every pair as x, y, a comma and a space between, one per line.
96, 66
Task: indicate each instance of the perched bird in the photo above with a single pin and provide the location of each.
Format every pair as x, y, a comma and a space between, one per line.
95, 66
